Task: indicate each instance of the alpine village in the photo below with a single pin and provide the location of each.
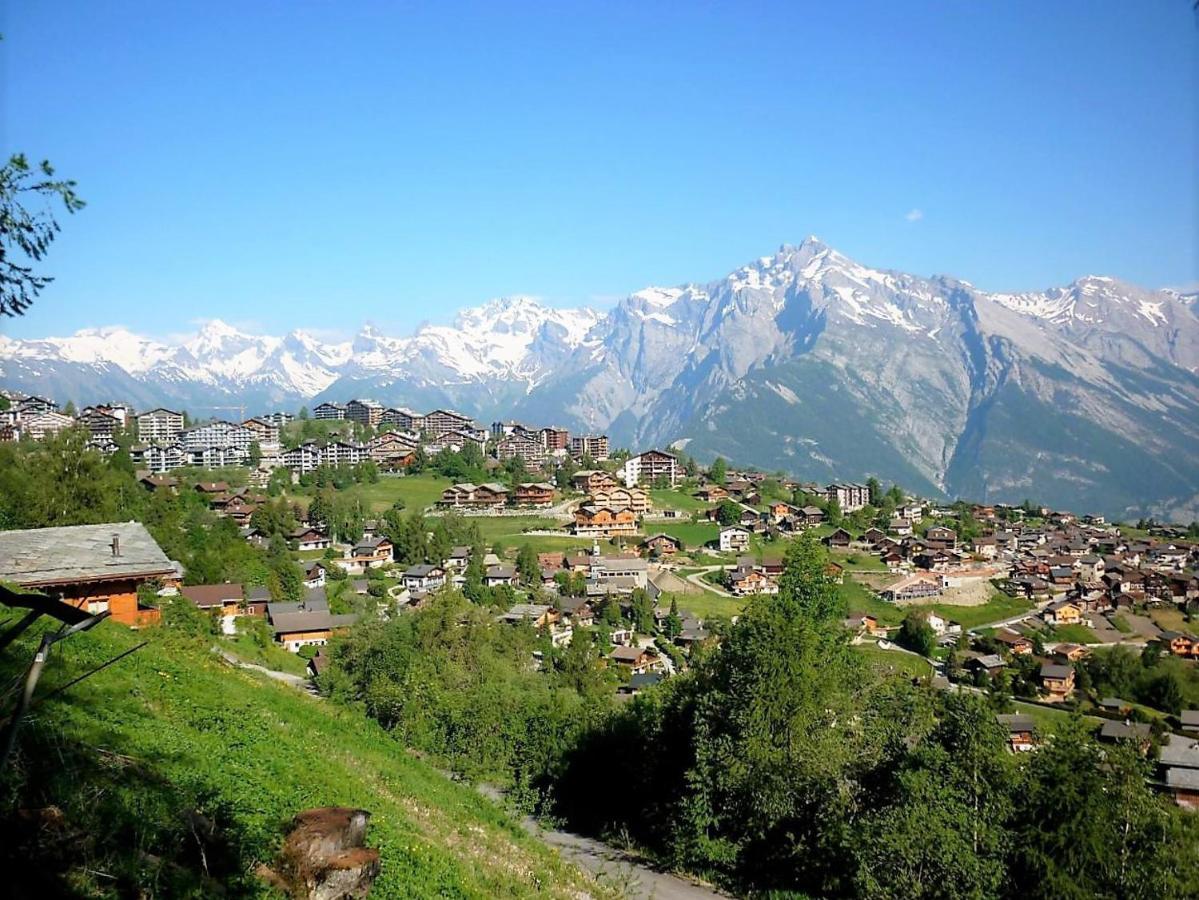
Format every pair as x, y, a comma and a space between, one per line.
339, 606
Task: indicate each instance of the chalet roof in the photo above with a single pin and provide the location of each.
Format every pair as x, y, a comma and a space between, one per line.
310, 620
423, 570
521, 611
1053, 670
1016, 722
1116, 731
77, 553
626, 654
207, 595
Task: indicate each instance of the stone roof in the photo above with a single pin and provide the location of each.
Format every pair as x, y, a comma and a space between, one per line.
79, 553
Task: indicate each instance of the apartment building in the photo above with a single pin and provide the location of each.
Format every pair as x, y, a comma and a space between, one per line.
159, 426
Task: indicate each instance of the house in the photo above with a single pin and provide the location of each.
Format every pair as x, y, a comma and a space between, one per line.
712, 493
536, 614
1178, 643
257, 598
315, 575
744, 582
589, 481
1114, 732
93, 567
839, 539
941, 538
1057, 681
635, 498
640, 682
900, 527
635, 659
733, 539
532, 493
424, 577
863, 624
603, 521
368, 553
1070, 653
989, 663
494, 576
222, 600
1016, 643
301, 627
1063, 612
1021, 731
912, 587
650, 468
472, 496
661, 545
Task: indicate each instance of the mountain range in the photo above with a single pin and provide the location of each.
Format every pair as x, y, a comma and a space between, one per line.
1084, 396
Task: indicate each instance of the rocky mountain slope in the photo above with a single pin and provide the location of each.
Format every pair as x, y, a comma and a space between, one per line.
1084, 396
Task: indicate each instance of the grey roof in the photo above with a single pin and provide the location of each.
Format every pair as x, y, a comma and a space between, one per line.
1180, 751
522, 611
310, 620
1183, 778
257, 593
75, 553
1124, 730
1051, 670
1016, 722
1190, 718
423, 570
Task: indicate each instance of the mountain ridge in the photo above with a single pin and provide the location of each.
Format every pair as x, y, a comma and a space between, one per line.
923, 369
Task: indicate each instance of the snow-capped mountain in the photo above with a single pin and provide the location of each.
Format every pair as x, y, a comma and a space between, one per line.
1083, 396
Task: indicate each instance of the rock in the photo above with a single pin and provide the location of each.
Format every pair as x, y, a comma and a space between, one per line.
324, 856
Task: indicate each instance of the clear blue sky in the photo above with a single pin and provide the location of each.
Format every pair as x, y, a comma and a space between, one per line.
322, 164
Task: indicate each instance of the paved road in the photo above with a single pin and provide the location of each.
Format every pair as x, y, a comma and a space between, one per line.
296, 681
696, 579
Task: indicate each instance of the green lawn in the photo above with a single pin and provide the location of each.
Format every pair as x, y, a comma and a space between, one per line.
706, 604
858, 561
1074, 634
1121, 624
862, 602
666, 499
893, 662
127, 755
692, 534
417, 491
272, 657
999, 607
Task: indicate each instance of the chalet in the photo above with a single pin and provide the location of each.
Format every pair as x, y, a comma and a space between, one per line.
941, 538
576, 610
221, 600
900, 527
301, 627
308, 539
874, 536
635, 659
494, 576
458, 559
472, 496
536, 614
640, 682
603, 521
1016, 643
839, 539
912, 587
778, 510
424, 577
1057, 681
712, 493
532, 493
1063, 612
744, 582
733, 539
257, 598
370, 553
991, 664
591, 480
810, 515
1178, 643
635, 498
1070, 653
834, 572
863, 624
661, 545
1021, 731
93, 567
1115, 732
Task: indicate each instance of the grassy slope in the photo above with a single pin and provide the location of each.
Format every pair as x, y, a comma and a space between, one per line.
127, 752
417, 491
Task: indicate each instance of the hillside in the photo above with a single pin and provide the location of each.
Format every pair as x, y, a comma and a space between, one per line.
140, 757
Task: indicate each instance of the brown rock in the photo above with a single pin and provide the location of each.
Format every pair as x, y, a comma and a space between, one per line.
324, 857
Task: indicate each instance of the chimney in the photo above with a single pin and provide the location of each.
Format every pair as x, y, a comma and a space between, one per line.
116, 545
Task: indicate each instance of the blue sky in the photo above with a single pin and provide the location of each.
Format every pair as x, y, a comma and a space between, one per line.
318, 165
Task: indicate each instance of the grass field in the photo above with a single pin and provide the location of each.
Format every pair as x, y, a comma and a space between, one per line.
1075, 634
861, 602
893, 662
665, 499
858, 561
417, 491
692, 534
132, 755
706, 604
999, 607
271, 657
1170, 618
